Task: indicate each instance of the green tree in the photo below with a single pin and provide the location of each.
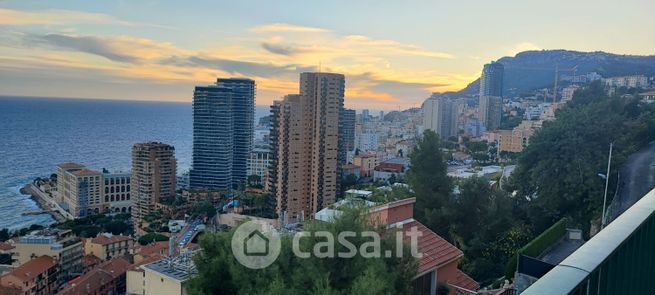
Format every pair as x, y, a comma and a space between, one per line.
151, 237
429, 180
557, 173
220, 273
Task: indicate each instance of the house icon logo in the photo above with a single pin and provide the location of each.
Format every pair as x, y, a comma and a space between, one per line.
256, 244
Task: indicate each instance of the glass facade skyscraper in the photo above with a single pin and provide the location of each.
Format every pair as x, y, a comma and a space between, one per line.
222, 133
491, 95
491, 81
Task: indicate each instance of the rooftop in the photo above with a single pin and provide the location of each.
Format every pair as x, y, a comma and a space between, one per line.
33, 268
70, 165
435, 249
96, 278
86, 172
107, 238
180, 268
154, 248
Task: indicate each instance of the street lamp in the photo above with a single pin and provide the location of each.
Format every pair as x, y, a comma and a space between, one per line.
607, 182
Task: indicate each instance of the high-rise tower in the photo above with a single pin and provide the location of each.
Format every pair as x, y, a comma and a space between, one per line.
305, 140
223, 129
153, 177
491, 95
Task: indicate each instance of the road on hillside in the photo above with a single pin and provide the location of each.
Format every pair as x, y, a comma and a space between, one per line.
637, 177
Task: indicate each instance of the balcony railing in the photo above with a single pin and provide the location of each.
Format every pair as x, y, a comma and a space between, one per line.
620, 259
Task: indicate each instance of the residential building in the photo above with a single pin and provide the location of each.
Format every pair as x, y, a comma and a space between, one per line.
475, 127
350, 169
153, 177
368, 140
491, 95
243, 112
517, 139
491, 111
394, 167
62, 245
567, 92
366, 163
305, 138
440, 114
79, 189
223, 130
116, 192
648, 96
194, 196
107, 246
259, 162
168, 276
39, 276
365, 116
135, 276
439, 259
633, 81
107, 278
346, 134
82, 191
156, 249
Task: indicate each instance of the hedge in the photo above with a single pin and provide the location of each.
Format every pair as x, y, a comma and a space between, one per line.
536, 247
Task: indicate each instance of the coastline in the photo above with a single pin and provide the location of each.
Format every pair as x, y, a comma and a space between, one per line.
44, 202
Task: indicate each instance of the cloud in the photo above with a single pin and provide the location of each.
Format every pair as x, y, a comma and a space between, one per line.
278, 49
89, 45
282, 27
395, 47
120, 48
246, 68
56, 17
523, 46
60, 17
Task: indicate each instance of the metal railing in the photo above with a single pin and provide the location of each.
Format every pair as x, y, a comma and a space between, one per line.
620, 259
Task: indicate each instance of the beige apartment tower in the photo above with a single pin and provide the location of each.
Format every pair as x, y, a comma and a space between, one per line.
305, 140
153, 177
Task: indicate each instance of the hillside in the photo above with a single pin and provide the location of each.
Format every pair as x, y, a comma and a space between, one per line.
536, 69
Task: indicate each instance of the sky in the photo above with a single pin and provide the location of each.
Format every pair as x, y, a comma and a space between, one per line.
393, 53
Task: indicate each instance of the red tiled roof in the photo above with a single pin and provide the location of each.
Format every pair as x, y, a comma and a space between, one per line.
85, 172
91, 260
31, 269
153, 248
6, 246
106, 240
435, 250
465, 282
390, 167
104, 274
149, 259
10, 290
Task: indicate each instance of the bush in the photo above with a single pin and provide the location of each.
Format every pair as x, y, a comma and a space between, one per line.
151, 237
537, 246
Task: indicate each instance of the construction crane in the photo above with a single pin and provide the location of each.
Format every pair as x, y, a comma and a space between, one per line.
557, 70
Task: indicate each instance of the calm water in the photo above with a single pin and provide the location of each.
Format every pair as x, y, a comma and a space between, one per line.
38, 133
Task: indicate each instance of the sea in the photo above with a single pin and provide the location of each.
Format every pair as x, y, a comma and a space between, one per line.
37, 133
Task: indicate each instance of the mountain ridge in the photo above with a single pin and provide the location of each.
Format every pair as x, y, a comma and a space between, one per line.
534, 69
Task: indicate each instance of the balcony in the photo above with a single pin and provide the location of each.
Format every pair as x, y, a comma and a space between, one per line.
618, 260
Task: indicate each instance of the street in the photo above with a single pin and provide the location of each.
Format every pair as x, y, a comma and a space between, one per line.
637, 177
